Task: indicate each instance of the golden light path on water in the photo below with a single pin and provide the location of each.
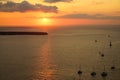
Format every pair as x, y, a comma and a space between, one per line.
46, 68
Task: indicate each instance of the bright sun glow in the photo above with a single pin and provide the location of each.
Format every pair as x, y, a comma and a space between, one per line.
45, 21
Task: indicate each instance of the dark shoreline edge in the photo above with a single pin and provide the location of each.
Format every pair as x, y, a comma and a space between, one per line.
22, 33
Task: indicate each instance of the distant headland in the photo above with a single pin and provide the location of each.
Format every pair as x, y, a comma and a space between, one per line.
22, 33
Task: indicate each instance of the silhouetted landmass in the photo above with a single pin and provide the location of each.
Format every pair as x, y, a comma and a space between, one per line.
22, 33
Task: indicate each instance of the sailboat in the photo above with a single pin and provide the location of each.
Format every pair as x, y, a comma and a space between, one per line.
104, 73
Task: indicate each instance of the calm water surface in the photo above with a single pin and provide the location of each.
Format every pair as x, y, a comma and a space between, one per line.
59, 55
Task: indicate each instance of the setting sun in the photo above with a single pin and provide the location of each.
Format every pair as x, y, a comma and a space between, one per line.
45, 21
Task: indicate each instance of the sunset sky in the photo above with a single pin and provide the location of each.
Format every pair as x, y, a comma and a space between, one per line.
59, 12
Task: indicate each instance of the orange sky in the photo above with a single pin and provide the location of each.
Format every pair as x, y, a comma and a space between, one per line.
59, 12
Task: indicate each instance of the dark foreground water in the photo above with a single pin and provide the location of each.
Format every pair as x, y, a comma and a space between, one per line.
59, 55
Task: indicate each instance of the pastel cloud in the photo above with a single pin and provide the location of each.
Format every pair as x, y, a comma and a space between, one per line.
54, 1
25, 6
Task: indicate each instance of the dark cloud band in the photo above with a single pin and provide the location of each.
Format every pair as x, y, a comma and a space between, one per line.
87, 16
26, 6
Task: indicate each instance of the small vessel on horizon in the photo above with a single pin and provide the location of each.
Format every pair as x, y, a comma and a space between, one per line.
110, 44
79, 71
93, 74
104, 73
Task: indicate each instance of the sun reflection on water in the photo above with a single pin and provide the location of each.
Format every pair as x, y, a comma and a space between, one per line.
47, 68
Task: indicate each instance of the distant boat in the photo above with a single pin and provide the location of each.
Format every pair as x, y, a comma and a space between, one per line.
110, 44
109, 36
96, 41
79, 71
101, 54
93, 73
104, 73
113, 66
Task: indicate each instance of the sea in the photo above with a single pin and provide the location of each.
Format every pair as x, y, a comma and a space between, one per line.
61, 54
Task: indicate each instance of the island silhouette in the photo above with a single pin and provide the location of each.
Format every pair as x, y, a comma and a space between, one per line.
22, 33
